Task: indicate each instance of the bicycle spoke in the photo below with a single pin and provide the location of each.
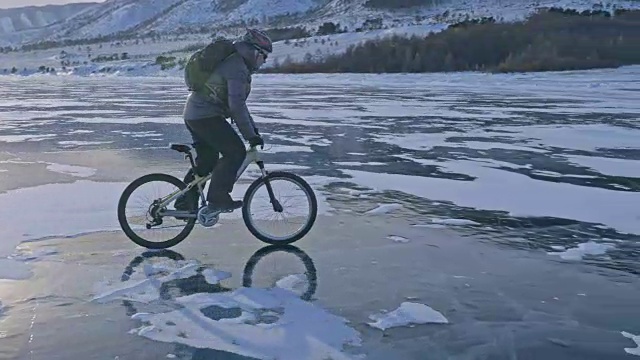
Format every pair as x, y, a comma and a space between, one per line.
296, 212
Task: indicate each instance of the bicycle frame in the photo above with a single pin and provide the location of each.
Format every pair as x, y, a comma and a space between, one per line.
253, 156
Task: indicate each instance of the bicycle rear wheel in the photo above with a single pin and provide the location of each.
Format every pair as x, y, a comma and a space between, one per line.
144, 224
272, 226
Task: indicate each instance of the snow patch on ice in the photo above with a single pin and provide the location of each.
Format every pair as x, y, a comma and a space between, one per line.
384, 209
23, 138
588, 248
443, 223
268, 323
454, 222
274, 323
354, 163
81, 143
407, 314
430, 226
144, 286
295, 283
214, 277
398, 239
286, 148
25, 254
636, 339
78, 171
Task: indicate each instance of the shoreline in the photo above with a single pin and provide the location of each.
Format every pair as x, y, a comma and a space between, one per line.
160, 74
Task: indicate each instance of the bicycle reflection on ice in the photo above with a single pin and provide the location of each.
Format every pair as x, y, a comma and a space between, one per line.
185, 303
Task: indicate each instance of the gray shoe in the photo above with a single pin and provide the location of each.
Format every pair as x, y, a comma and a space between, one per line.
227, 206
224, 203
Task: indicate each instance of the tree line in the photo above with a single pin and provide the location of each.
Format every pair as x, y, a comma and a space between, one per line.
553, 39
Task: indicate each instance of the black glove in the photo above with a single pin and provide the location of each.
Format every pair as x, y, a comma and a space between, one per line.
255, 141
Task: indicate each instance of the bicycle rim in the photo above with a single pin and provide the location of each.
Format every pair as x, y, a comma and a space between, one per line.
299, 209
137, 210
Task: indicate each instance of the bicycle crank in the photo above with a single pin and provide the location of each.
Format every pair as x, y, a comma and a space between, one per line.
207, 220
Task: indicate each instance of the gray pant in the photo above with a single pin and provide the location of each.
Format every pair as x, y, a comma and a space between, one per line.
213, 137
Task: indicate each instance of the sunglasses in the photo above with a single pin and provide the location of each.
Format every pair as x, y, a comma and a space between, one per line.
261, 52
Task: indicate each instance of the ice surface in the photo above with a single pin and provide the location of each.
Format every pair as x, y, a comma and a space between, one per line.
78, 171
540, 138
62, 210
636, 339
384, 209
408, 313
579, 252
608, 166
520, 195
14, 270
578, 137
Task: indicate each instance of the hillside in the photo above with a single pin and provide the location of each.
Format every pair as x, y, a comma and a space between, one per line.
26, 20
120, 19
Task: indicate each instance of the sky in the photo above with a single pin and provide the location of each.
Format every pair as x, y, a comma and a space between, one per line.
20, 3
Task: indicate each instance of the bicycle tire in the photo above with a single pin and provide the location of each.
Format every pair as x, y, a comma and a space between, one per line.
189, 225
246, 216
310, 268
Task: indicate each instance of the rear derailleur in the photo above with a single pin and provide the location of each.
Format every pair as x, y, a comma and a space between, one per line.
154, 213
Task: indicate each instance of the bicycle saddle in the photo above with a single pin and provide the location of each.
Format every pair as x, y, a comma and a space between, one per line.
183, 148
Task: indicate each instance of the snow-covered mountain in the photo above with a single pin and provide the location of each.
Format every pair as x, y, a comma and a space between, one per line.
27, 19
171, 16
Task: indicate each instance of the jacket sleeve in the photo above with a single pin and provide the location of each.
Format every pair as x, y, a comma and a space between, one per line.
237, 88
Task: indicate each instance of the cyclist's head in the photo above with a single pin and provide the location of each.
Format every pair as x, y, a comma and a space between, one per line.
259, 39
254, 46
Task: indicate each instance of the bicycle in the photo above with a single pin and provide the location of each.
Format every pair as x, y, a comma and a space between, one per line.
157, 211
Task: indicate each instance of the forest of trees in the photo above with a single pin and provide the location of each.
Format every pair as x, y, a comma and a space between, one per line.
554, 39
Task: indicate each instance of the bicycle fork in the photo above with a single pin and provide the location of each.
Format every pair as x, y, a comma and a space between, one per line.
277, 207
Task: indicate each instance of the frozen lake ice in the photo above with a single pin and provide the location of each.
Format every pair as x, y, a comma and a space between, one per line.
548, 159
544, 163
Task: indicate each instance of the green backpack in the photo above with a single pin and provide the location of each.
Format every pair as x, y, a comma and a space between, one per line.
204, 61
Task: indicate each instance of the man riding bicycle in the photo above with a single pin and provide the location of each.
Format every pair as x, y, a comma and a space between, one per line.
205, 116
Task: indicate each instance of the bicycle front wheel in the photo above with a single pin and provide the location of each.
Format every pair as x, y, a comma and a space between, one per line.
280, 226
141, 219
